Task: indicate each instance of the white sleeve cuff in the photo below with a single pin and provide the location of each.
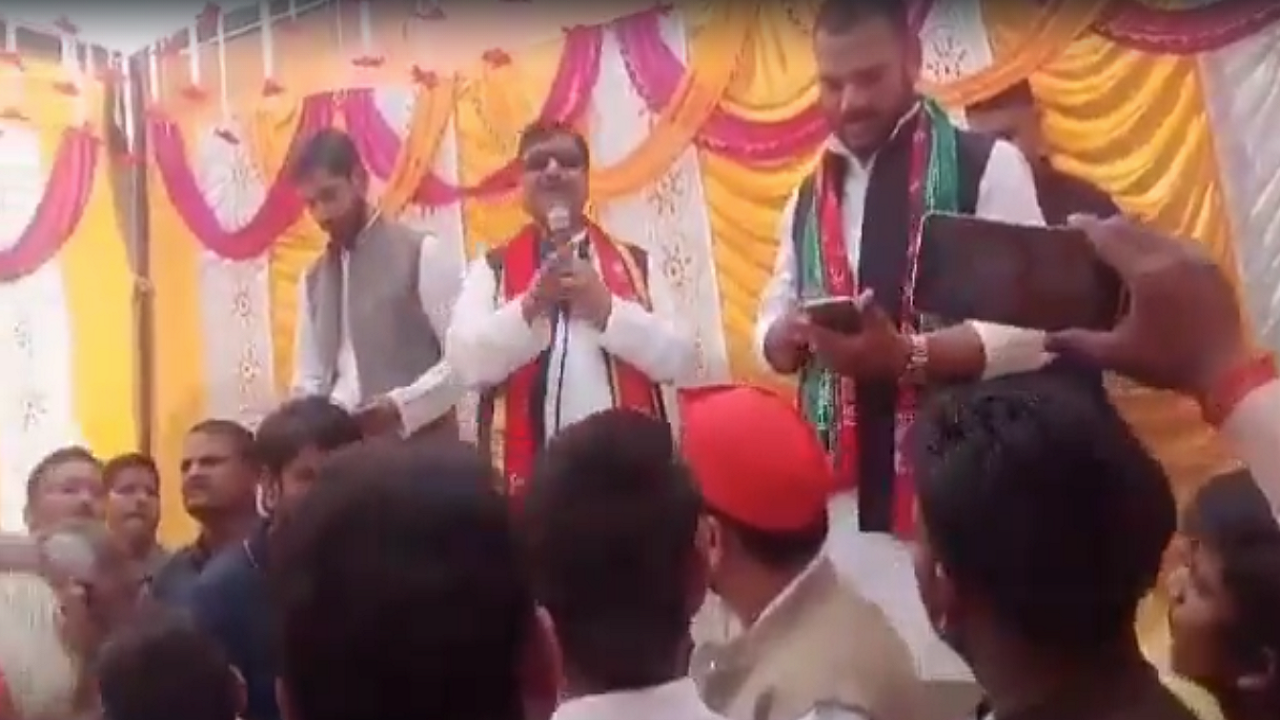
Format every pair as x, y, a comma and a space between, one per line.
428, 399
1010, 350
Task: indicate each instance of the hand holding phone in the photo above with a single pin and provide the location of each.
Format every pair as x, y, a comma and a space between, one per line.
1042, 278
838, 314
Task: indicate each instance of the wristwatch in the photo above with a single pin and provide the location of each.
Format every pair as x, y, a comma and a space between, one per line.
916, 371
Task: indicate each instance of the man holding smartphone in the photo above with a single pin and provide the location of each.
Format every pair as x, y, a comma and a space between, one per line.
852, 230
557, 323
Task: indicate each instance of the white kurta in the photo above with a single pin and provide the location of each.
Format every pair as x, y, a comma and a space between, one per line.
489, 340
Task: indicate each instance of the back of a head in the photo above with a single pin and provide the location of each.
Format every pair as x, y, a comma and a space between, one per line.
398, 590
162, 668
1042, 502
609, 522
330, 151
39, 671
300, 423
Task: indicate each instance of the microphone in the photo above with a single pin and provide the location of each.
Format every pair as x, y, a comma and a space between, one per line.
559, 221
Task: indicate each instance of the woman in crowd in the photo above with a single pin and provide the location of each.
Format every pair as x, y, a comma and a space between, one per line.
1225, 598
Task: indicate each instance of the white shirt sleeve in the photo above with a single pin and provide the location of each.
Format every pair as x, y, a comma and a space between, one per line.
311, 375
779, 293
1253, 430
437, 390
488, 341
1007, 192
661, 347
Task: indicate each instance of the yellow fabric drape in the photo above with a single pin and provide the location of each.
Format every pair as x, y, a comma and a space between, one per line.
99, 285
493, 106
97, 280
1045, 31
271, 131
775, 81
178, 384
776, 78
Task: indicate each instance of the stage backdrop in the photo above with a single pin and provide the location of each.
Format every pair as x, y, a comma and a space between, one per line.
67, 349
701, 119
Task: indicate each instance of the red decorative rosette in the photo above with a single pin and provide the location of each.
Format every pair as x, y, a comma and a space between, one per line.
496, 57
424, 78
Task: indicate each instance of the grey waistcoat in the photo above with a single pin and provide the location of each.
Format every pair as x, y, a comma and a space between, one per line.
392, 336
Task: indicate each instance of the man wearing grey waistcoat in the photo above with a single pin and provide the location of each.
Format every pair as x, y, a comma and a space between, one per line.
374, 308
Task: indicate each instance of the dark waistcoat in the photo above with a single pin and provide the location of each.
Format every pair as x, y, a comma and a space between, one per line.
882, 269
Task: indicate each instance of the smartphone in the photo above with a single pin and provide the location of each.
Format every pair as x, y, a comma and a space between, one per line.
840, 314
1043, 278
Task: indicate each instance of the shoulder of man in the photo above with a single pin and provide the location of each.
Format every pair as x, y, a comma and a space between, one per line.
216, 591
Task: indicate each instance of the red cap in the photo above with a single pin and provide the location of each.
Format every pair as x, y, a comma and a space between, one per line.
755, 458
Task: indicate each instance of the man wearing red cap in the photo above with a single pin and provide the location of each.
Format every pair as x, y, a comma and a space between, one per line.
767, 525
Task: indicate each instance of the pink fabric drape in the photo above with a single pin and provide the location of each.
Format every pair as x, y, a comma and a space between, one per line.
1184, 31
62, 204
280, 209
566, 102
656, 72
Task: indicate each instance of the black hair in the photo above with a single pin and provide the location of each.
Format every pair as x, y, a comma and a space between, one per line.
162, 667
840, 16
128, 461
329, 150
609, 524
55, 459
1232, 517
298, 424
240, 437
1041, 501
1017, 95
402, 564
778, 550
543, 130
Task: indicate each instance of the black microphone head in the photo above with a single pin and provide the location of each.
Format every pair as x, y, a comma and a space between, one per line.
584, 249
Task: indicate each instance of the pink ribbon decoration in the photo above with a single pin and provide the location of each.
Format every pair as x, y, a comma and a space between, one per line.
280, 209
566, 102
62, 204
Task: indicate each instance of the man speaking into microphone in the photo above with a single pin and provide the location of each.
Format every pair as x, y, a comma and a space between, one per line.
557, 323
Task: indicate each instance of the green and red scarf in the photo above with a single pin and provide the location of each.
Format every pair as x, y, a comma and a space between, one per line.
826, 398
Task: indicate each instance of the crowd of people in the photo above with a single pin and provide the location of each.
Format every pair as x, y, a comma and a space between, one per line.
605, 546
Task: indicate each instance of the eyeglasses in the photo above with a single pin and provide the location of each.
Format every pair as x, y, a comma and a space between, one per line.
539, 161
